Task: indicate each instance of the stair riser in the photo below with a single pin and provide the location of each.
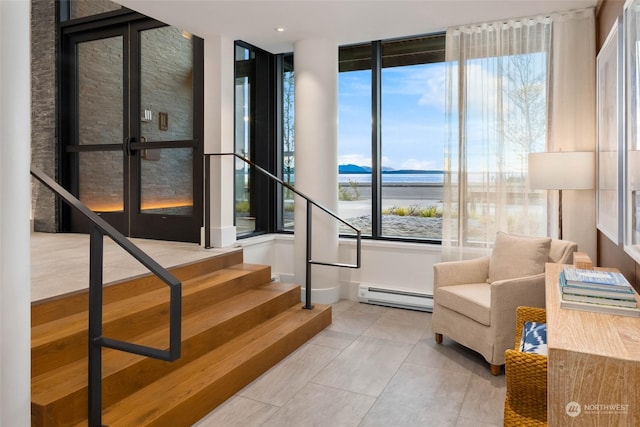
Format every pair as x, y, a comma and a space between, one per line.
205, 400
74, 347
76, 302
73, 407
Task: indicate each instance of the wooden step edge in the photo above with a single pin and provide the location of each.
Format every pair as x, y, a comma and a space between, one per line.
45, 310
65, 339
123, 372
193, 391
113, 309
268, 300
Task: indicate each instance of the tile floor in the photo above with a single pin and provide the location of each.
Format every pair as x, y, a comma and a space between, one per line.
374, 366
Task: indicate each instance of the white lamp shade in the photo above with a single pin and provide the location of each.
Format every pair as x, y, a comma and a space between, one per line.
563, 170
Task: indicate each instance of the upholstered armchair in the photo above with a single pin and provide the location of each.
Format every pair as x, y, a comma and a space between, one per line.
475, 301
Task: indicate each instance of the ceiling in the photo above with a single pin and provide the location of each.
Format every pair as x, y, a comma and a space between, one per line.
344, 21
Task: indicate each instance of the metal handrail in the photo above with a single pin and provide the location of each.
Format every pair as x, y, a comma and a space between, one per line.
310, 204
99, 228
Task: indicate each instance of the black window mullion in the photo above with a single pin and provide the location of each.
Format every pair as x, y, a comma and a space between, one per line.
376, 116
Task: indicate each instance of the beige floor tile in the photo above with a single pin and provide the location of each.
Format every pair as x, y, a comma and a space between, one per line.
470, 422
366, 366
448, 356
400, 325
238, 412
333, 339
352, 322
60, 262
484, 400
284, 380
419, 396
318, 406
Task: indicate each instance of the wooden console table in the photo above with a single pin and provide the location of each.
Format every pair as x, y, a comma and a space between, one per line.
594, 364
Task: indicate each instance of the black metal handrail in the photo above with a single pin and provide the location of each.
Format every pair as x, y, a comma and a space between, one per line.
99, 228
310, 204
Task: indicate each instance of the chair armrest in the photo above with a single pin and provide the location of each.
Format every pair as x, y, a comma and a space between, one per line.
507, 295
461, 272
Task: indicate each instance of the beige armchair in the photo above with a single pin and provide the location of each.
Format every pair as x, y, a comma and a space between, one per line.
475, 301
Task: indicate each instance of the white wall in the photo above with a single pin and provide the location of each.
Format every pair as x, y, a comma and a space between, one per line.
394, 265
15, 276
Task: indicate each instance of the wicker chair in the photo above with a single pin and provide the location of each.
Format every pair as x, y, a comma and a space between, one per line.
526, 378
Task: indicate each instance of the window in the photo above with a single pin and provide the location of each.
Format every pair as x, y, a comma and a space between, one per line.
287, 150
391, 137
255, 108
244, 220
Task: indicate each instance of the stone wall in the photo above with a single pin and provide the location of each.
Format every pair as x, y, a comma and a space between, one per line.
84, 8
44, 138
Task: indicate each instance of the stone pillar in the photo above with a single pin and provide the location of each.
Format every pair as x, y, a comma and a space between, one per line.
15, 275
316, 163
218, 135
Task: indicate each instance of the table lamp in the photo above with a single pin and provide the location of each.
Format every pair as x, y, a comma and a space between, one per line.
561, 170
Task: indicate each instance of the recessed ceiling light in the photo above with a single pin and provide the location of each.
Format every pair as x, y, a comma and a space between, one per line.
279, 29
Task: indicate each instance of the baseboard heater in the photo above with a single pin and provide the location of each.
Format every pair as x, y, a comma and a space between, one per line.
395, 298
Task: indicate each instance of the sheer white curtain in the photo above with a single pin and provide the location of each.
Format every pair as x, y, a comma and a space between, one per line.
516, 87
497, 88
572, 125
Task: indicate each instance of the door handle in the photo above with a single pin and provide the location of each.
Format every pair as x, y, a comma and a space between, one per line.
126, 146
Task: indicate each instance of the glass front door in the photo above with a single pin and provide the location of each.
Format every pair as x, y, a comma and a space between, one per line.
133, 126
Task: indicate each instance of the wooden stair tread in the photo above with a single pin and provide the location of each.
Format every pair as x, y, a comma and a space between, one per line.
61, 341
47, 387
66, 304
52, 330
163, 397
236, 324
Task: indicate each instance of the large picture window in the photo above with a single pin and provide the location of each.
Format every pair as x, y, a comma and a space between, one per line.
390, 168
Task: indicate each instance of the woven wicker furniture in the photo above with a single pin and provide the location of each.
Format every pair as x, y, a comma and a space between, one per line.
526, 377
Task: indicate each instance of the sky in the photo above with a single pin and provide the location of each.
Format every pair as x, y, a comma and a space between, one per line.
413, 114
414, 127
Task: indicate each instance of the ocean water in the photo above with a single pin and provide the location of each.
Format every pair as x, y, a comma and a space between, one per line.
427, 178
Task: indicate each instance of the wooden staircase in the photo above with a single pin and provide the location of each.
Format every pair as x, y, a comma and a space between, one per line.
236, 324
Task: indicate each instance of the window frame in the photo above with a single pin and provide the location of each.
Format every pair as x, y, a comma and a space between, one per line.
376, 60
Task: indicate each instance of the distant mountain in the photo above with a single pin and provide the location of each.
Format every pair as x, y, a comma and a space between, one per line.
354, 169
412, 171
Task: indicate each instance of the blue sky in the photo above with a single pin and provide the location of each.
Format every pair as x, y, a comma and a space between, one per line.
413, 114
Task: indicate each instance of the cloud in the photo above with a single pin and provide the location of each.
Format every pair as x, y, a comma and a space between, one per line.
354, 159
420, 164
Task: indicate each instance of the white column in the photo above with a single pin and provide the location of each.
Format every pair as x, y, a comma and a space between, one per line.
218, 135
316, 161
15, 277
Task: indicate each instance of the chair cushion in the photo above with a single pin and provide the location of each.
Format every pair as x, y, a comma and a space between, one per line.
534, 338
516, 256
472, 300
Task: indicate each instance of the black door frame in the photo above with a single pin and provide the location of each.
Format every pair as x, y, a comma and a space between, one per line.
133, 223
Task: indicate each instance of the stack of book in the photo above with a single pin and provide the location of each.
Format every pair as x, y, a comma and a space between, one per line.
595, 290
